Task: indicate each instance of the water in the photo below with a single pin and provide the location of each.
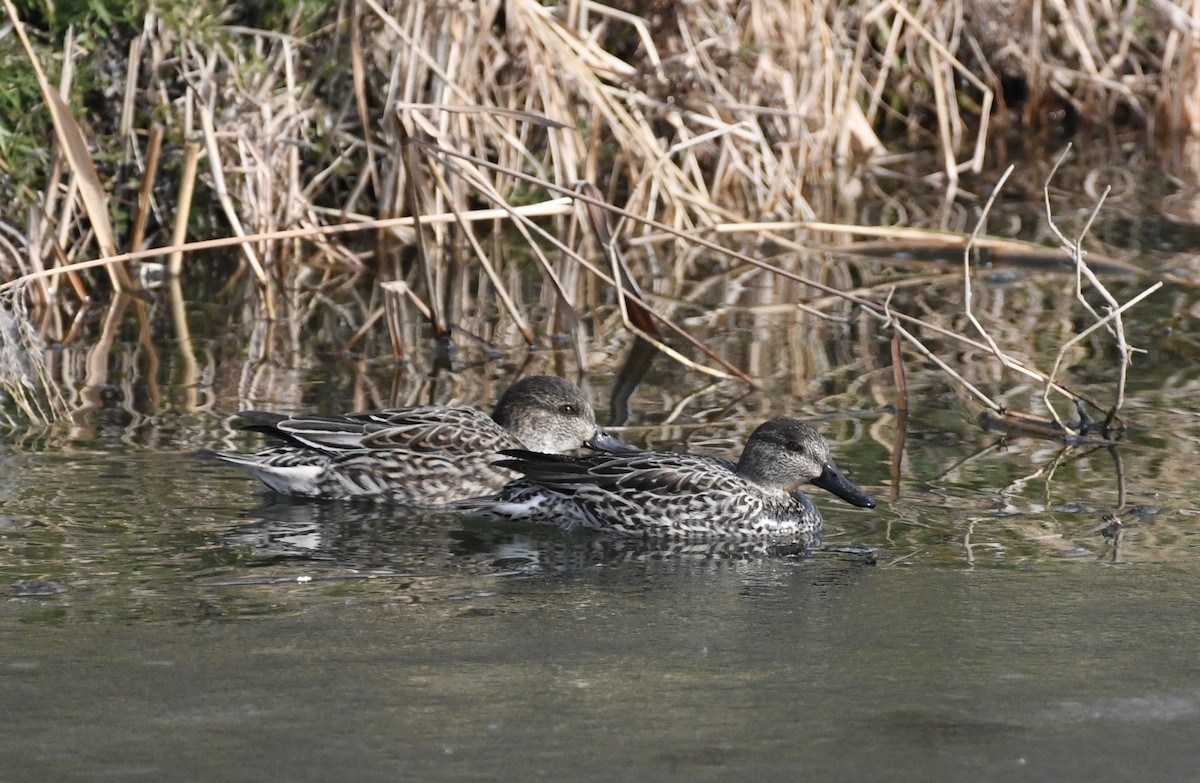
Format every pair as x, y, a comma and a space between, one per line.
660, 671
161, 621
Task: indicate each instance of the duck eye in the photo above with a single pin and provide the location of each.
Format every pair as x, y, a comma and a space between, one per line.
795, 445
567, 408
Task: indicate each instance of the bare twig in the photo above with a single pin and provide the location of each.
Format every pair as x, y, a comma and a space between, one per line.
1112, 321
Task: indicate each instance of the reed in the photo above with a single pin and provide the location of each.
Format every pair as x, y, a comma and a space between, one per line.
307, 149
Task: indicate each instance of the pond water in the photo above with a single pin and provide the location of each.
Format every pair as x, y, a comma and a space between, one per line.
182, 630
163, 619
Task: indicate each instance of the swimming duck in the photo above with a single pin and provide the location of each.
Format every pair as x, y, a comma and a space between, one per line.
681, 495
426, 455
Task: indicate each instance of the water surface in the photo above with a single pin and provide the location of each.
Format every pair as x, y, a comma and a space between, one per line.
1030, 612
161, 621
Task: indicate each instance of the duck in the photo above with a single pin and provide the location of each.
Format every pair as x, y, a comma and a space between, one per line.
425, 455
681, 495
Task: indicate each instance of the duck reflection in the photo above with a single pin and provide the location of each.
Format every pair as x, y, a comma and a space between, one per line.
390, 539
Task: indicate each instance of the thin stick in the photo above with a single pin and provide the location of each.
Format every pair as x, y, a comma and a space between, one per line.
1075, 248
970, 246
184, 208
898, 375
986, 400
1113, 316
551, 207
147, 191
217, 170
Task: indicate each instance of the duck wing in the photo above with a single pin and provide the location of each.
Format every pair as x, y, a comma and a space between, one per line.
663, 474
435, 429
317, 433
419, 429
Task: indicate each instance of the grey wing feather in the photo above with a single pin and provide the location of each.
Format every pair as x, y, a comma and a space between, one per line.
438, 430
322, 433
430, 429
655, 472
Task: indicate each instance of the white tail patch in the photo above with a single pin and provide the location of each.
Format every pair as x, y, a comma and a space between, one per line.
298, 480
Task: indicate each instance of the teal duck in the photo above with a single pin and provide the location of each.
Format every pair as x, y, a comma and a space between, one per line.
681, 495
426, 455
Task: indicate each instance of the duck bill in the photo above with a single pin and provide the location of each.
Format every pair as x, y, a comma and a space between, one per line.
833, 480
602, 441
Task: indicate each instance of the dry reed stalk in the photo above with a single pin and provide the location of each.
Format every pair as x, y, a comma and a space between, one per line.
358, 78
897, 243
756, 96
879, 312
700, 117
524, 226
187, 186
432, 279
145, 194
949, 121
1179, 101
549, 207
486, 265
632, 297
75, 151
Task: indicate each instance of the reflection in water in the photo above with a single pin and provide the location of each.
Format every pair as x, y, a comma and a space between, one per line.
633, 371
349, 535
394, 540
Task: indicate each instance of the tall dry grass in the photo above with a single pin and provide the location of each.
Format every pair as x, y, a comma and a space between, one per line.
307, 150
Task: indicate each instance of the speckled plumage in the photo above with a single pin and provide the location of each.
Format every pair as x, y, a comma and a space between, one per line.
681, 495
423, 455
